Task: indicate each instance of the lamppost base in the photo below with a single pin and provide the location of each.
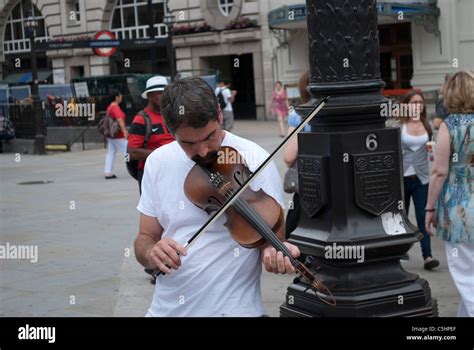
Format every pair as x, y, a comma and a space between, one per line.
382, 289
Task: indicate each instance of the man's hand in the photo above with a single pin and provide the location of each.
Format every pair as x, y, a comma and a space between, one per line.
276, 262
165, 255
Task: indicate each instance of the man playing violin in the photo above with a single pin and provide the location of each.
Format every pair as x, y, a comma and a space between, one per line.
216, 276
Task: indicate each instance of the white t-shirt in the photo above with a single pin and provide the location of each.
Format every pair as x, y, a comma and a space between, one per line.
218, 277
227, 95
414, 143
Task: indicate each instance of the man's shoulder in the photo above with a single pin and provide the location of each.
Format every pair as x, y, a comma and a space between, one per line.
165, 152
139, 118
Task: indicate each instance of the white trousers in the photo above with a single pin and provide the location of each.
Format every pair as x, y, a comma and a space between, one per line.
461, 266
114, 145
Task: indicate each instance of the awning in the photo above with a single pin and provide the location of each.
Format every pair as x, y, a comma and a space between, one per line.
25, 78
294, 16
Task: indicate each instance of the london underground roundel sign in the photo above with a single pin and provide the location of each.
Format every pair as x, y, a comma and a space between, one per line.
105, 51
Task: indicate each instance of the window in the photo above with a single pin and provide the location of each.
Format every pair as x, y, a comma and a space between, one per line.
130, 19
225, 6
73, 12
15, 39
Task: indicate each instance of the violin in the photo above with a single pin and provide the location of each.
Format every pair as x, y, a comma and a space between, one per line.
254, 217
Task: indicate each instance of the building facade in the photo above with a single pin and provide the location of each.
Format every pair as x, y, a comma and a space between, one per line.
251, 43
420, 40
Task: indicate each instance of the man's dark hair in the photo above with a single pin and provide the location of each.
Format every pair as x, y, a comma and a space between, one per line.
113, 93
188, 102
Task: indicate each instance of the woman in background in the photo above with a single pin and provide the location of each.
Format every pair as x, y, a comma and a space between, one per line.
415, 133
280, 105
450, 206
119, 143
291, 151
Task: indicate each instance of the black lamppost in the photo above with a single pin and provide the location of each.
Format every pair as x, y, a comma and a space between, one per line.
352, 221
170, 20
31, 26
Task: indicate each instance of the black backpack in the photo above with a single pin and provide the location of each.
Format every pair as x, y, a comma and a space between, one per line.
221, 99
132, 165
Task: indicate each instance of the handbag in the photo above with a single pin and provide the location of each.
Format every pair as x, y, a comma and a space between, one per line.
108, 127
290, 182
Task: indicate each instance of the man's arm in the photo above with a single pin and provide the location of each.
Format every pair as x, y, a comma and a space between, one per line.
150, 232
152, 251
136, 140
138, 153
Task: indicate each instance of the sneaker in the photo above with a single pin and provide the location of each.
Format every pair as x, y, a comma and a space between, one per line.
111, 177
430, 263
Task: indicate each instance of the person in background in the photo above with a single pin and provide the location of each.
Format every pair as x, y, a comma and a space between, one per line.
441, 111
415, 133
280, 105
450, 206
159, 133
159, 136
229, 98
119, 143
291, 151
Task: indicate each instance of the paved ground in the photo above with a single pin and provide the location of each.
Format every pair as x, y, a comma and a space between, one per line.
84, 227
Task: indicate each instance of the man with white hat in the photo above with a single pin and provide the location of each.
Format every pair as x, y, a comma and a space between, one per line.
140, 141
143, 140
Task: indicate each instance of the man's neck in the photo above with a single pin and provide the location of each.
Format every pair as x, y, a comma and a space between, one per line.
153, 109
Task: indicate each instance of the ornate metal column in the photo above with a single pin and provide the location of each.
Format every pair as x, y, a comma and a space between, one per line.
353, 222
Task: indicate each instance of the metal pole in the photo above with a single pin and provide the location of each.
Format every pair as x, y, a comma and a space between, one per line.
151, 31
39, 146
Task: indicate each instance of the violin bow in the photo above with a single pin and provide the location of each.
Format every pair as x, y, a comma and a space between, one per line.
262, 167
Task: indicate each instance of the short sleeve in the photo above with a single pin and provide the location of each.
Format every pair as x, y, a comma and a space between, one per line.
115, 112
269, 180
146, 205
136, 134
227, 94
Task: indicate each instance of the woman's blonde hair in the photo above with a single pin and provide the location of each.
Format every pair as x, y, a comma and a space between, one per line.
459, 92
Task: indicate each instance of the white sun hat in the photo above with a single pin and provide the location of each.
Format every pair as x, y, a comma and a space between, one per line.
157, 83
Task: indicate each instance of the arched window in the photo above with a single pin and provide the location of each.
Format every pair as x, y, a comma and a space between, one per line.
130, 19
225, 6
15, 39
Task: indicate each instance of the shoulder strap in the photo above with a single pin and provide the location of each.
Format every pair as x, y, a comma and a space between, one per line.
148, 126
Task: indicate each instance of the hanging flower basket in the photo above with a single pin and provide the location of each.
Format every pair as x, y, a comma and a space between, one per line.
242, 23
